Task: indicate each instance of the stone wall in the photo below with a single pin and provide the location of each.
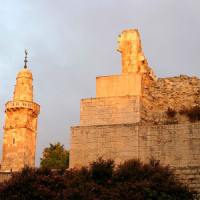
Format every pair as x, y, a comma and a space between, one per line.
4, 176
18, 149
119, 85
189, 175
128, 118
174, 92
177, 145
87, 143
110, 110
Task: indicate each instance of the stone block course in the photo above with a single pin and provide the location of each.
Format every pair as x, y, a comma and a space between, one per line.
110, 110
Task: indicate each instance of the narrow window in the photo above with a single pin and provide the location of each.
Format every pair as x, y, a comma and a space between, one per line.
13, 140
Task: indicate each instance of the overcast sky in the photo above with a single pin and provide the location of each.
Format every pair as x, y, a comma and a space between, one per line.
71, 42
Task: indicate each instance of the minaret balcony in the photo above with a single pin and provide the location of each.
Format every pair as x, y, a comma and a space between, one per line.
23, 104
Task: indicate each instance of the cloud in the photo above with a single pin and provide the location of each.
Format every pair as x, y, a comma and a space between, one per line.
72, 42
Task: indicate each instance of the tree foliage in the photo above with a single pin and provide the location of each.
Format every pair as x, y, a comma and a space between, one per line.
100, 181
55, 157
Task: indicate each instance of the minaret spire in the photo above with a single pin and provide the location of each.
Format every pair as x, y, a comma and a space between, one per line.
25, 61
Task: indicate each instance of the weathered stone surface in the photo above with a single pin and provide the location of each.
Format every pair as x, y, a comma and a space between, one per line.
119, 142
111, 110
171, 144
119, 85
128, 118
4, 176
133, 59
173, 92
20, 128
190, 175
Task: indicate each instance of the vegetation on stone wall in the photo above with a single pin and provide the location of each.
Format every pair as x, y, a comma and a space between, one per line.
55, 157
101, 180
193, 113
171, 112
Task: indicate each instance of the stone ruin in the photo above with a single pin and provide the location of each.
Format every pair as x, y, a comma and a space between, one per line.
128, 118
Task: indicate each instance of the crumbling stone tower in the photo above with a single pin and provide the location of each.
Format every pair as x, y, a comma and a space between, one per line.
20, 128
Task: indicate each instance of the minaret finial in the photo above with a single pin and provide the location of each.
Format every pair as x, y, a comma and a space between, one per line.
25, 61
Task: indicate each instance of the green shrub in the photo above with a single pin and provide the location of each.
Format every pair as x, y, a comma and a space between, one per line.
55, 157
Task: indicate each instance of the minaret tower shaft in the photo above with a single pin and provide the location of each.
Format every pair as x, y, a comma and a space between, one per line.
20, 128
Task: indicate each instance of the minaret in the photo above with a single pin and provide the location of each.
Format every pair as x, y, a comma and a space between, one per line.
20, 128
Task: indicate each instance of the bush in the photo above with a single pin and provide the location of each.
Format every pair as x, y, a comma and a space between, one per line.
100, 181
55, 157
148, 181
193, 113
183, 111
171, 112
102, 170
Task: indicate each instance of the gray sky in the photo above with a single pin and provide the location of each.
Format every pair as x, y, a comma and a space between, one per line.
71, 42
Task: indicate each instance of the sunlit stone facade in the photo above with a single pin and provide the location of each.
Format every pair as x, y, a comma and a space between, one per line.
128, 118
20, 130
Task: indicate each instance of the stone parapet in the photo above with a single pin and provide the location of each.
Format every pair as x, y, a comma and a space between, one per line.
119, 85
23, 104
